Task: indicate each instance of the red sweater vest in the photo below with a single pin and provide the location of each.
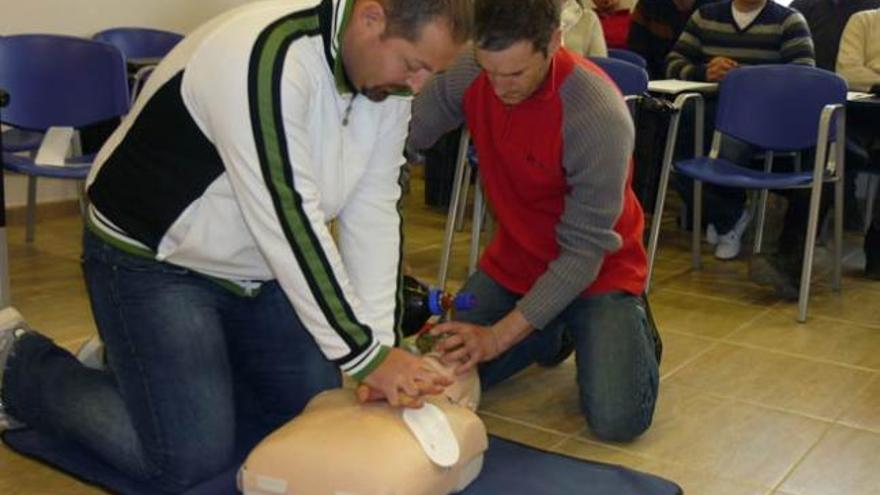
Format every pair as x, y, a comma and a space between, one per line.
520, 151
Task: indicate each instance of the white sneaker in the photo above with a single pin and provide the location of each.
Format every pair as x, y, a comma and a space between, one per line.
711, 234
12, 326
730, 244
92, 355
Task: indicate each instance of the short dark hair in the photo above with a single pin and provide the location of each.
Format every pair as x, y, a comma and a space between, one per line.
406, 18
501, 23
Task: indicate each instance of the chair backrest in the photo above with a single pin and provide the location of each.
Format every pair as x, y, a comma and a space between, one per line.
631, 79
777, 107
63, 81
136, 42
628, 56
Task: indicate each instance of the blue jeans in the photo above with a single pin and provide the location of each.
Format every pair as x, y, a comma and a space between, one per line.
617, 371
196, 373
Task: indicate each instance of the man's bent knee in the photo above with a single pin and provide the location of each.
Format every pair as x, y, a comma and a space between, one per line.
619, 428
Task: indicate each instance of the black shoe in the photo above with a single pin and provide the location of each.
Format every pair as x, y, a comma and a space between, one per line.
777, 272
566, 347
872, 253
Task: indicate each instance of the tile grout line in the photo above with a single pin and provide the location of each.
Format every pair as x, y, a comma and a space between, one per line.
848, 405
715, 344
716, 298
800, 460
759, 405
525, 423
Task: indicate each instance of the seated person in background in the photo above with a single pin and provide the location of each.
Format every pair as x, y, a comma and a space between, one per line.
858, 60
615, 19
655, 27
826, 19
554, 140
859, 63
584, 36
722, 36
222, 299
719, 38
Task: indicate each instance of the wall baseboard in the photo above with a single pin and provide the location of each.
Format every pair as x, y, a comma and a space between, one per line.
15, 215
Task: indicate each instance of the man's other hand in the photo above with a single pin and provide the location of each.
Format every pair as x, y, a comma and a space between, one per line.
466, 344
403, 380
719, 67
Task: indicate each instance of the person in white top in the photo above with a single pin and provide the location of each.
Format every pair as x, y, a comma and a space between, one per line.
858, 61
222, 299
583, 36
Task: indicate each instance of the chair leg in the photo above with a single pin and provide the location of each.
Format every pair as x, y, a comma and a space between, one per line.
462, 204
838, 235
761, 214
31, 211
696, 228
476, 228
660, 201
809, 250
5, 294
873, 185
460, 168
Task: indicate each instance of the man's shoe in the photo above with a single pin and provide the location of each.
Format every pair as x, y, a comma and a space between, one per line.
773, 271
565, 349
730, 244
712, 234
12, 327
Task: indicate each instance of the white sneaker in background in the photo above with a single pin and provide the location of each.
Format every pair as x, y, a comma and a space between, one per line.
92, 355
730, 244
711, 234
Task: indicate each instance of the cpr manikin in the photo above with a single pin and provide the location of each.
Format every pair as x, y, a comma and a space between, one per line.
340, 446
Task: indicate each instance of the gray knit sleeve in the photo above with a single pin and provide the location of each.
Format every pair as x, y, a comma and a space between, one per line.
598, 138
437, 109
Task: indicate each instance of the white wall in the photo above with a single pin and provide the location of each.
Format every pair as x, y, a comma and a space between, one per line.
83, 18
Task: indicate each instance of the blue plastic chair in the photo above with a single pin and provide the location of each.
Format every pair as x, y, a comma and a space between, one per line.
140, 43
631, 79
58, 81
143, 48
776, 108
17, 140
628, 56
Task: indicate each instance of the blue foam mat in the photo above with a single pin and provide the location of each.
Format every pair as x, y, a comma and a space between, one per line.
510, 468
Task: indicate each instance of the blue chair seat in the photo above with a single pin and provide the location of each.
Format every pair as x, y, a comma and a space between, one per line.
725, 173
76, 168
21, 140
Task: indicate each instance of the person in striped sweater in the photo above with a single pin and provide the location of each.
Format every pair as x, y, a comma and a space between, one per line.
717, 39
722, 36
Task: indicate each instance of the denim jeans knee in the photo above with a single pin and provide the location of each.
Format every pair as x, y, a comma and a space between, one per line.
618, 373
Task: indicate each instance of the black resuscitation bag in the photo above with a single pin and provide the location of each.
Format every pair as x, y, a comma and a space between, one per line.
652, 124
440, 162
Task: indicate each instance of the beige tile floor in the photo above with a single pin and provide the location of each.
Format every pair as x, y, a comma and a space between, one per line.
751, 402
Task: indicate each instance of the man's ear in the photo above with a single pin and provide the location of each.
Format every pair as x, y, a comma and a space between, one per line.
555, 42
370, 15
